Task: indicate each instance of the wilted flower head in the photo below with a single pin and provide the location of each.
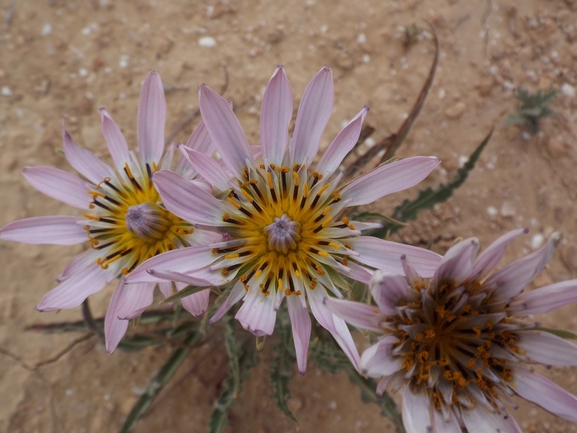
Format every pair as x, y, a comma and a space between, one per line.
459, 342
286, 233
123, 222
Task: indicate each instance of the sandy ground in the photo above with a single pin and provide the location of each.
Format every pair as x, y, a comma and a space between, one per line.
69, 57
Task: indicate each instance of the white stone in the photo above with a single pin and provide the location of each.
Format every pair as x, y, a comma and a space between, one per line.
46, 30
207, 42
568, 90
492, 211
537, 241
6, 91
361, 39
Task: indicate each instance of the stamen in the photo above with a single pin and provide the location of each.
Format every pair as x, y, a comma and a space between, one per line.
283, 234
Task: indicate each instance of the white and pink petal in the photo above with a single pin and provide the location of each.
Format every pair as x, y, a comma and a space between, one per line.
74, 290
84, 161
224, 130
389, 178
151, 119
59, 184
276, 114
55, 230
313, 115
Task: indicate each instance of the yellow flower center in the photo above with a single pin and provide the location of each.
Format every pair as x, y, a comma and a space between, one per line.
128, 225
284, 233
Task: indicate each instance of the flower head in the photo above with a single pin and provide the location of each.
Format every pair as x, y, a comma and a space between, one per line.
286, 233
459, 342
122, 220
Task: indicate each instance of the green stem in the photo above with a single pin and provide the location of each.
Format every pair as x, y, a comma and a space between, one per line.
159, 382
89, 319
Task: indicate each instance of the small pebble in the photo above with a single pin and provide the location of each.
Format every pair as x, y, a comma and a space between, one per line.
207, 42
568, 90
6, 91
456, 111
508, 210
537, 241
46, 30
492, 211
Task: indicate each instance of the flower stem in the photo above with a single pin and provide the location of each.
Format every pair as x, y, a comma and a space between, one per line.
157, 384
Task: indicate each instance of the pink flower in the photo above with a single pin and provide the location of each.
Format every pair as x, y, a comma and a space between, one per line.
286, 236
123, 222
459, 341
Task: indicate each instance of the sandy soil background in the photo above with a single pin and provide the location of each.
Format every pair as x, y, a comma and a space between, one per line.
69, 57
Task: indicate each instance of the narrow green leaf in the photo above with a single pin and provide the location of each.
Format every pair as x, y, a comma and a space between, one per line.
230, 343
158, 383
282, 370
567, 335
226, 400
187, 291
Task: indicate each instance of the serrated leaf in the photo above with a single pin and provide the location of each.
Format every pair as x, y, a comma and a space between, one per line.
567, 335
231, 348
428, 198
159, 381
515, 119
329, 357
187, 291
226, 400
282, 370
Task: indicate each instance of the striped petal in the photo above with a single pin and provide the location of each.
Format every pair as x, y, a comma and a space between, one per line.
301, 329
197, 303
356, 314
386, 255
180, 260
545, 393
114, 328
59, 184
457, 264
236, 294
55, 230
416, 411
276, 114
388, 289
200, 140
491, 257
513, 278
84, 161
480, 420
342, 144
546, 348
313, 115
73, 291
186, 200
257, 313
151, 119
136, 299
224, 130
377, 360
207, 167
389, 178
545, 299
332, 323
116, 142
